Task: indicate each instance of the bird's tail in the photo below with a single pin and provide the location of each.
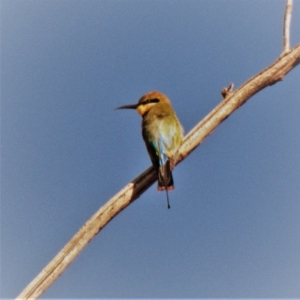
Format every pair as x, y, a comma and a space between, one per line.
165, 178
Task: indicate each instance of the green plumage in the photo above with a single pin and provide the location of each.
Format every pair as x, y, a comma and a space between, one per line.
162, 134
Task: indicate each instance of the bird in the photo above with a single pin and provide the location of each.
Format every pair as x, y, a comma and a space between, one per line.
162, 134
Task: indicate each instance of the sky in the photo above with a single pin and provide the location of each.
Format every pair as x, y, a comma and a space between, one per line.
233, 227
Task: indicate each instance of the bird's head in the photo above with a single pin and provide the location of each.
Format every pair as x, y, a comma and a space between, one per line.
147, 102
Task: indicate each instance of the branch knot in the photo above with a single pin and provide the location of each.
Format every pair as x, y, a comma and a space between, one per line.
227, 90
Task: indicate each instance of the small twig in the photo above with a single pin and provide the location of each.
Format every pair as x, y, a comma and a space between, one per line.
227, 90
287, 25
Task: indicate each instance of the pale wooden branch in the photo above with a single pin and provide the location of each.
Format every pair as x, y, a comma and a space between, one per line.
232, 101
287, 25
269, 76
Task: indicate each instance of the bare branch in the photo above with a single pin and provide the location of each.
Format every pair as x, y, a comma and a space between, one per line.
272, 74
233, 100
287, 25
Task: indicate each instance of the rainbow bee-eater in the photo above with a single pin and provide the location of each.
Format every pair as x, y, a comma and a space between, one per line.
162, 134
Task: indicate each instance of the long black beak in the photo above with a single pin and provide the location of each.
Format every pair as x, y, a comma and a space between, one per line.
129, 106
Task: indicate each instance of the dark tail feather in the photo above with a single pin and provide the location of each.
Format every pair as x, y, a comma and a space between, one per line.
165, 178
168, 202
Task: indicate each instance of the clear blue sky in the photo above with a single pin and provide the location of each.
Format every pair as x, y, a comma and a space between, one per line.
233, 229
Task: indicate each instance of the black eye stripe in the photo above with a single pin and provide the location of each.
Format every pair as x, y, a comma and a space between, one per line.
155, 100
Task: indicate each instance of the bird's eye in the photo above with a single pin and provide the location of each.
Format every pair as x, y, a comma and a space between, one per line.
155, 100
145, 102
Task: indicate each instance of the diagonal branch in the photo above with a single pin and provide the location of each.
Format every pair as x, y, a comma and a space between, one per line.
232, 101
269, 76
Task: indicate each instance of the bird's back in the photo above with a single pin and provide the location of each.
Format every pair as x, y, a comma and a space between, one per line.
162, 132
